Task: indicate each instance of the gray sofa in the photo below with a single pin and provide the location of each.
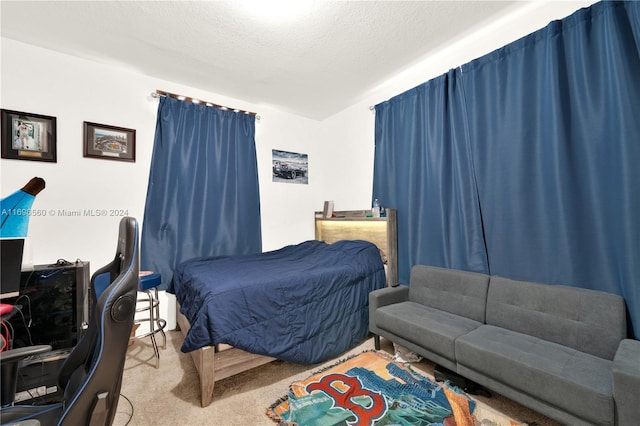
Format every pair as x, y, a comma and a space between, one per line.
559, 350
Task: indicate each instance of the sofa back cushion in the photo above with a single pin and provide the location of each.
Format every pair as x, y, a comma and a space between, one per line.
458, 292
586, 320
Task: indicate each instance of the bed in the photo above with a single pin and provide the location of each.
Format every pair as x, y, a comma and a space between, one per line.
292, 304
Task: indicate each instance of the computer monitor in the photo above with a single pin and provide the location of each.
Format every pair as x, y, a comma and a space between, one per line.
10, 267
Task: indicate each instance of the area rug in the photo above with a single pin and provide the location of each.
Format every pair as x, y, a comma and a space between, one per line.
371, 389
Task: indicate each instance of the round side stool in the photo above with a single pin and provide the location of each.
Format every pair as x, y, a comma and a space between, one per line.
149, 282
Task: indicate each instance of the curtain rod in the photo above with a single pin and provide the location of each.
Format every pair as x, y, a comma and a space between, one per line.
159, 93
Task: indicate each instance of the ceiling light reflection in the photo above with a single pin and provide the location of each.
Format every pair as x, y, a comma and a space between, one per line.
277, 10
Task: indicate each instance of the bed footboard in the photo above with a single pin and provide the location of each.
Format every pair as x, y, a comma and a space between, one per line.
213, 366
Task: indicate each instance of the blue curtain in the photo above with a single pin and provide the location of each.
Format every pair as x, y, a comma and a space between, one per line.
203, 196
422, 167
554, 138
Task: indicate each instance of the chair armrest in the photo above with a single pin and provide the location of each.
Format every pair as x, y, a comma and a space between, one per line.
17, 354
626, 382
9, 363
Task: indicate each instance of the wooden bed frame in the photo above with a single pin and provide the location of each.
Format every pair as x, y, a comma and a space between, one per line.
222, 361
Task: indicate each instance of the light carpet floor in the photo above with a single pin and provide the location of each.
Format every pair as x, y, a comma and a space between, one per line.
170, 394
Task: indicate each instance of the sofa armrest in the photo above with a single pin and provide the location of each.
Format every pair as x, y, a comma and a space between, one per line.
387, 296
626, 382
383, 297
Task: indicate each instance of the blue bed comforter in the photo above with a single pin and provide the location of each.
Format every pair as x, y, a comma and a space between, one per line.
303, 303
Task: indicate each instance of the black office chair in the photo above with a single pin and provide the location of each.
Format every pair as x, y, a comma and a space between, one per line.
91, 376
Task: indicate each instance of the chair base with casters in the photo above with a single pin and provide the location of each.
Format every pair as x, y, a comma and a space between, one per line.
149, 282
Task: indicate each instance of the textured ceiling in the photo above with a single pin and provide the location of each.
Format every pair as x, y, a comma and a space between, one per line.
315, 62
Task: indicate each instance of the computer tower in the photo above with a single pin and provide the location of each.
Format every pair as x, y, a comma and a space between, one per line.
54, 306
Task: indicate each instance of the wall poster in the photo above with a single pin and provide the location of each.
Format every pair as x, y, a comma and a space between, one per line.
290, 167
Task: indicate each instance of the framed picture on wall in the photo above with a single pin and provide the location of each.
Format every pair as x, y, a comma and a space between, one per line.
27, 136
290, 167
109, 142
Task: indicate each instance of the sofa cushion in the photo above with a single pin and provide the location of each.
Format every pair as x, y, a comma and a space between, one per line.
587, 320
573, 381
427, 327
458, 292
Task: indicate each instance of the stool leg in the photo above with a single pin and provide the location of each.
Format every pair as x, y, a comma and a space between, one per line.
160, 326
152, 325
155, 350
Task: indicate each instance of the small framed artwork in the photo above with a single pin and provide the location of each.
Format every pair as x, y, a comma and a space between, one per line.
27, 136
109, 142
290, 167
